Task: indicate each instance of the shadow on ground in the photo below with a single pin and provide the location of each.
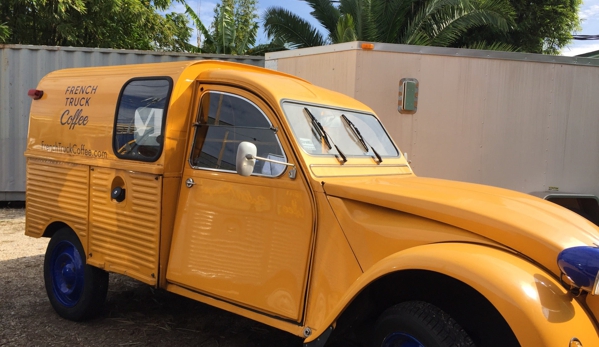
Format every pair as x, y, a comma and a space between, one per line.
134, 315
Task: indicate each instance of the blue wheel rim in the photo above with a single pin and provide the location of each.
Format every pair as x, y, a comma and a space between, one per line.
401, 340
67, 273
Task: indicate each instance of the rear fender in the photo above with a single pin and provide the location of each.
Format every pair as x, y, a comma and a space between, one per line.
537, 308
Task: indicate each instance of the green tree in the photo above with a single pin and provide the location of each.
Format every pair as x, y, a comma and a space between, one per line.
130, 24
416, 22
542, 26
233, 30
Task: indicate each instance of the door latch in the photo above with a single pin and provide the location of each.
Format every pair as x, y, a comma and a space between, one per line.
189, 183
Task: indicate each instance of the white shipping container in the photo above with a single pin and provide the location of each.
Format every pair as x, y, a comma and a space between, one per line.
23, 66
526, 122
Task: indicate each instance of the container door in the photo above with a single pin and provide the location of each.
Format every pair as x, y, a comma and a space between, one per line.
245, 240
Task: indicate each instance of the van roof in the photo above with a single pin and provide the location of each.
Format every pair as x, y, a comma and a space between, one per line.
266, 82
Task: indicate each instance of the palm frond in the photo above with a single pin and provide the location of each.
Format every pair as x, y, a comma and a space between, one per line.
390, 18
361, 12
452, 29
414, 33
285, 25
495, 46
443, 22
274, 45
345, 31
325, 13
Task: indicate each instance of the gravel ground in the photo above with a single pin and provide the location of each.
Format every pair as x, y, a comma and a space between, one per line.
134, 314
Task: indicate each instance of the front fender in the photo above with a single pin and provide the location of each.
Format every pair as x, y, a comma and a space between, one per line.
537, 308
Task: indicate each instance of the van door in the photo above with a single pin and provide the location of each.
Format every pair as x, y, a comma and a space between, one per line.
245, 240
126, 204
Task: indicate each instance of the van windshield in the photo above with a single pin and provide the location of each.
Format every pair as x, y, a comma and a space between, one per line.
327, 131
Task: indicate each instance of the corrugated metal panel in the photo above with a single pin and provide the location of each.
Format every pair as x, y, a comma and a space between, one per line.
22, 67
57, 189
526, 122
124, 237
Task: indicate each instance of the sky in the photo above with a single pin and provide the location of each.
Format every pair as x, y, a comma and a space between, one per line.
206, 11
589, 13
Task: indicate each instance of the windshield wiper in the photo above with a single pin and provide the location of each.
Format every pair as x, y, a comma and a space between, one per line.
360, 138
323, 136
318, 129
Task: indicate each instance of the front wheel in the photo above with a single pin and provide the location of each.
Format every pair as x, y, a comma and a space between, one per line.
76, 290
418, 324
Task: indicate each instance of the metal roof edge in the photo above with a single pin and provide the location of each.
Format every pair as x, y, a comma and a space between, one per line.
130, 51
339, 47
443, 51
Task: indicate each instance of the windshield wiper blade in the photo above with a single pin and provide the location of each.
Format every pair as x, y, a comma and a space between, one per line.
356, 132
360, 138
322, 134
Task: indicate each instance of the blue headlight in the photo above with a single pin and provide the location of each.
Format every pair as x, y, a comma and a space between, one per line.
581, 265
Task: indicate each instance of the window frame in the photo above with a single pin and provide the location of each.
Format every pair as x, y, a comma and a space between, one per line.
197, 119
164, 117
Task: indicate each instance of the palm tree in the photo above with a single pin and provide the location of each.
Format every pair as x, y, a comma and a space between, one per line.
416, 22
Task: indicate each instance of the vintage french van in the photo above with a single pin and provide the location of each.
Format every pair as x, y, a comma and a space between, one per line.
261, 194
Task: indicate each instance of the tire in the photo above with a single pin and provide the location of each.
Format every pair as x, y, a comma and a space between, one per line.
76, 290
418, 324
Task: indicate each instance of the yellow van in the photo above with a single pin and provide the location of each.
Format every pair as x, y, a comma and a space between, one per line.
261, 194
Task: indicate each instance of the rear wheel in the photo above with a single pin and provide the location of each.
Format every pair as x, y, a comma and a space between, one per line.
418, 324
76, 290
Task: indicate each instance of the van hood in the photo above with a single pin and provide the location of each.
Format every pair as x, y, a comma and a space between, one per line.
536, 228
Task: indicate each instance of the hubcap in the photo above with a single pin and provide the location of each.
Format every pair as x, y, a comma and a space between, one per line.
401, 340
67, 271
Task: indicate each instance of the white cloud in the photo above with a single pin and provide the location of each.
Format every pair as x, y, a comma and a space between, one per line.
589, 11
580, 48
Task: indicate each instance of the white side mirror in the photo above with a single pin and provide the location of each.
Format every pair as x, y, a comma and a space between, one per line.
246, 158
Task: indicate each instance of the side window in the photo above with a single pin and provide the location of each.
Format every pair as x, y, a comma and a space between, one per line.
224, 121
140, 119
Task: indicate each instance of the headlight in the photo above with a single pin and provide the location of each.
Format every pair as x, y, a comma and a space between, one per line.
581, 265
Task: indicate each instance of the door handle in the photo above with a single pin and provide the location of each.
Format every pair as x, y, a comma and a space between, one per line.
189, 182
118, 194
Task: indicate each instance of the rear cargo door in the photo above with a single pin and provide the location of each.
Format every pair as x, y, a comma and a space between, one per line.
244, 240
125, 202
124, 235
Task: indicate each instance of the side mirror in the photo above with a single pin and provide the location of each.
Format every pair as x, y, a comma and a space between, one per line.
246, 158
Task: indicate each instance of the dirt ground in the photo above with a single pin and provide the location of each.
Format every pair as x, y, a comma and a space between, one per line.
134, 314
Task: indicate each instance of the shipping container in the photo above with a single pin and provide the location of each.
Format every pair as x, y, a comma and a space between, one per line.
23, 66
